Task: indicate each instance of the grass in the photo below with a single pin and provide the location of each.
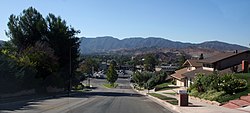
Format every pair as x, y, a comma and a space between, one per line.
164, 86
175, 102
170, 100
171, 94
139, 89
110, 85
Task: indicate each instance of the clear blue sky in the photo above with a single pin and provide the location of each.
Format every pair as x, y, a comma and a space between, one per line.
179, 20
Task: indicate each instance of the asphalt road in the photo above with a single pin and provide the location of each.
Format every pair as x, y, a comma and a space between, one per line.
100, 100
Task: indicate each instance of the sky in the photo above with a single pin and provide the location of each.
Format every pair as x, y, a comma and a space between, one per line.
192, 21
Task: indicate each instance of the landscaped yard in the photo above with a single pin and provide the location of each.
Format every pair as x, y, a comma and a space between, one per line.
164, 86
110, 86
221, 93
171, 93
170, 100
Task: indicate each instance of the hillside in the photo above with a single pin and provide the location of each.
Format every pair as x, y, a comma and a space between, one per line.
109, 44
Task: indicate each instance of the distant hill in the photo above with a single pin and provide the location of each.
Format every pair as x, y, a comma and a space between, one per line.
107, 44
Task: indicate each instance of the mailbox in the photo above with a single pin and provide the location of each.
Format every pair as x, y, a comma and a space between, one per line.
183, 98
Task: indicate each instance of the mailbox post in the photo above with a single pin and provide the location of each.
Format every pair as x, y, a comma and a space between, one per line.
183, 99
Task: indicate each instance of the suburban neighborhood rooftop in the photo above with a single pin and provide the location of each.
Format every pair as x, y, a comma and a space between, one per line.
221, 56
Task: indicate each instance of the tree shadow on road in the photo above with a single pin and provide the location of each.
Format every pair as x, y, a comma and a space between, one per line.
31, 104
115, 94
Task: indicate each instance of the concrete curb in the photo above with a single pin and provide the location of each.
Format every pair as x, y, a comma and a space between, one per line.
165, 104
159, 101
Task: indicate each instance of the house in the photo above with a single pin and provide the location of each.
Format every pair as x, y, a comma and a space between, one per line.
103, 66
166, 68
179, 75
139, 68
192, 64
226, 62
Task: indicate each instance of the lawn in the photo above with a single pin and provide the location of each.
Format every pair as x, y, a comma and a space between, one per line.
170, 100
164, 86
171, 94
110, 86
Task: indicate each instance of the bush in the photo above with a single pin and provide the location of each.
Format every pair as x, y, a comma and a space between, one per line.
219, 88
194, 92
15, 77
173, 82
149, 80
212, 95
227, 83
225, 98
78, 87
231, 85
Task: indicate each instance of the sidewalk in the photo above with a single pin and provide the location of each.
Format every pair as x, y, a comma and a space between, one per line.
195, 106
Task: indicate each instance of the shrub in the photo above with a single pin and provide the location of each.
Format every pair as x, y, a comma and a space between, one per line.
225, 98
78, 87
219, 88
212, 95
227, 83
194, 92
231, 85
198, 83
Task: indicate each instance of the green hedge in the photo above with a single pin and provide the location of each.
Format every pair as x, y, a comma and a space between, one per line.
219, 88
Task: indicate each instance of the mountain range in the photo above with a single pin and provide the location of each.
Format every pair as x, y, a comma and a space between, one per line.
109, 44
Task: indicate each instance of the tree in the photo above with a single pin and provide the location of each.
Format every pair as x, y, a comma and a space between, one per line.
86, 66
43, 57
112, 75
142, 78
16, 73
30, 28
201, 56
113, 62
65, 45
150, 62
137, 78
181, 60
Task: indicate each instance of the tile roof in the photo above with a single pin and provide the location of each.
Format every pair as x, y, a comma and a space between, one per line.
193, 73
178, 73
193, 63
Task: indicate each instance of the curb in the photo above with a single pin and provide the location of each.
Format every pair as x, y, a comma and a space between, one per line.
165, 104
159, 101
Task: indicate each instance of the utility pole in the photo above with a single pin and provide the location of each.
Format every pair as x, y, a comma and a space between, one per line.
69, 83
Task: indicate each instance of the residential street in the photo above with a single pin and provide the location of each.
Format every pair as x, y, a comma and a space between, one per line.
101, 100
